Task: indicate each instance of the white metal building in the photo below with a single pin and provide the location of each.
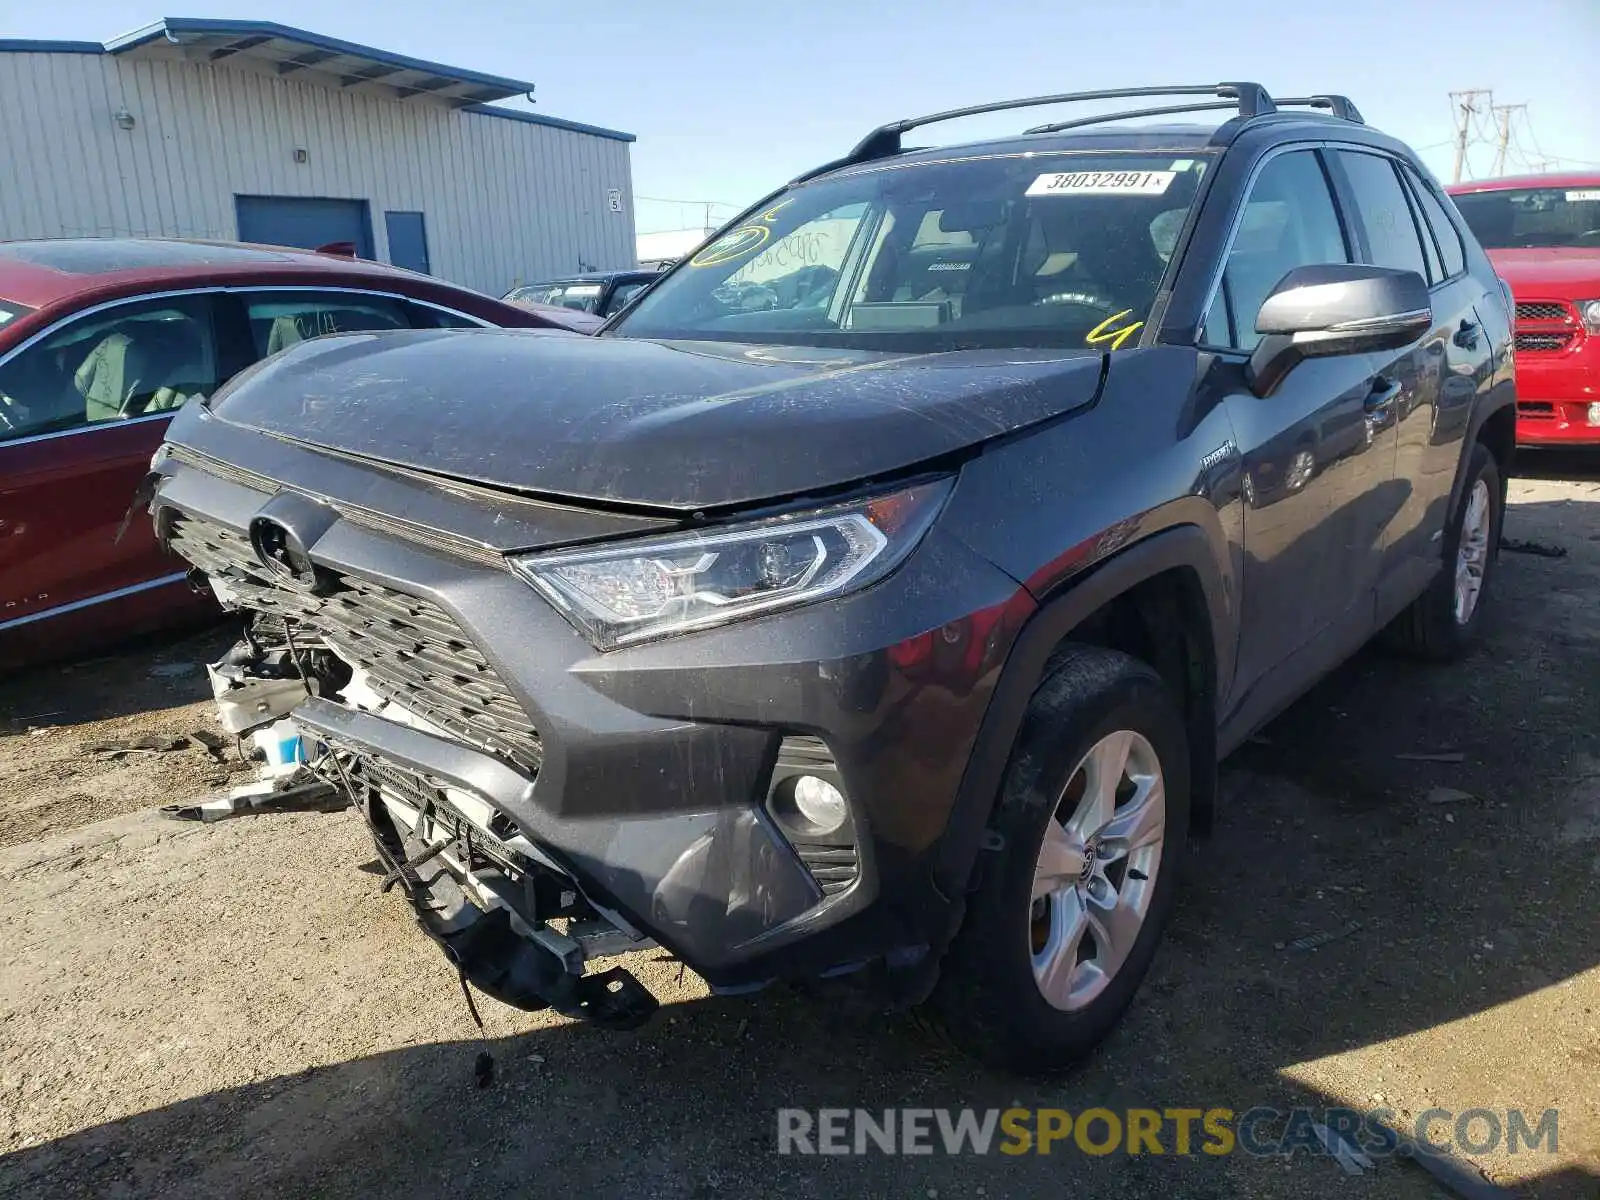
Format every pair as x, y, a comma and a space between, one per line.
252, 131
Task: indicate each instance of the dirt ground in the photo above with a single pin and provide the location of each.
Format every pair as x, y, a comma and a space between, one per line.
234, 1009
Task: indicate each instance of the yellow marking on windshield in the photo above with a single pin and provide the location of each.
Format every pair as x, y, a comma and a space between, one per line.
1103, 333
731, 246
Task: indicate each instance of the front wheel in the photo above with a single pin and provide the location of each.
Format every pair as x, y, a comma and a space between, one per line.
1091, 824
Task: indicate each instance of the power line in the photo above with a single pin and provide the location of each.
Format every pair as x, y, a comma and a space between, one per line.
696, 203
1507, 129
1502, 115
705, 206
1467, 118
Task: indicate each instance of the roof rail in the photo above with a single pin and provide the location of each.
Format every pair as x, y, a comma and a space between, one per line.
1340, 106
1166, 110
1251, 99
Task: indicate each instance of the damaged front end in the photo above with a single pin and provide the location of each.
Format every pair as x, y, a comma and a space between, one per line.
509, 918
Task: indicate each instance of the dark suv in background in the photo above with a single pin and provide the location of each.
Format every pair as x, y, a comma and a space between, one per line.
597, 293
880, 590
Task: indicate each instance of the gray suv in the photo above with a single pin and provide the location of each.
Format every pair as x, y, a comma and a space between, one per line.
878, 593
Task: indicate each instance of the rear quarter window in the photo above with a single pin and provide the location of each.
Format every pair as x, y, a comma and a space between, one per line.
1444, 229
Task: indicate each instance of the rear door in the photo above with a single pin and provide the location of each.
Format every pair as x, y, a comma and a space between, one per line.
1435, 379
1431, 457
90, 398
1317, 471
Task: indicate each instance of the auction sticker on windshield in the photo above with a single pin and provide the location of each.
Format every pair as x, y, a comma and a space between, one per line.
1102, 183
1587, 194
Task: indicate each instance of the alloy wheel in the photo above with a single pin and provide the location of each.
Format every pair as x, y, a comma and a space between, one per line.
1096, 873
1472, 552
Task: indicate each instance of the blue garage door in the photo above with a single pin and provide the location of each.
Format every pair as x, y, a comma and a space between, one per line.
305, 221
408, 240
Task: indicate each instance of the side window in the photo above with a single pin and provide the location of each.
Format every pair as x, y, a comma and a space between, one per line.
620, 295
1289, 220
133, 360
425, 316
280, 319
1444, 229
581, 297
1384, 212
1217, 332
1430, 248
535, 294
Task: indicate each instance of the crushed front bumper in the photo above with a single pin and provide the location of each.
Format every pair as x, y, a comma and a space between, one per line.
643, 775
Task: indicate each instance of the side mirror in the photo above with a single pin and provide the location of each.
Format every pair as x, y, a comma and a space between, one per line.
1335, 308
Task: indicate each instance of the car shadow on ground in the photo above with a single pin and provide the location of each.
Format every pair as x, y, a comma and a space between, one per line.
142, 675
1582, 465
1434, 829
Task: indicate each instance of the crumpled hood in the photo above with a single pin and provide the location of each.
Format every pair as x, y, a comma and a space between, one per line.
675, 425
1554, 273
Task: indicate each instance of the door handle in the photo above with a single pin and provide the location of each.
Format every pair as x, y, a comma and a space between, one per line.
1467, 336
1384, 393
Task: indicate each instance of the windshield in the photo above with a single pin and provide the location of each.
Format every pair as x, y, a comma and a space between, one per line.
1528, 217
1008, 251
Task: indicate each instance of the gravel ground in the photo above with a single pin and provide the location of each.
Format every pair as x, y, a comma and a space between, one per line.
235, 1009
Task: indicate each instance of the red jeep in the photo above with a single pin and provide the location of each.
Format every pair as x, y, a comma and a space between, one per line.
1542, 233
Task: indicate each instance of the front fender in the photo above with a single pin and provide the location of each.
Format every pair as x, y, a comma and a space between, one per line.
1183, 546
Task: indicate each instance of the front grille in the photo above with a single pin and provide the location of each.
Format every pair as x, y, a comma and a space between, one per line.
413, 652
369, 773
1542, 310
1543, 341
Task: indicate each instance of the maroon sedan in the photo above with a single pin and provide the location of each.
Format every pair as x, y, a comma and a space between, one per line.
100, 341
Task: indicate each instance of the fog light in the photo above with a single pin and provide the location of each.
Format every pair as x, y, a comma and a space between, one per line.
1594, 414
820, 803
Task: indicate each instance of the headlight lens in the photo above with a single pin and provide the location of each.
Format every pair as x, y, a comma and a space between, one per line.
1589, 310
649, 588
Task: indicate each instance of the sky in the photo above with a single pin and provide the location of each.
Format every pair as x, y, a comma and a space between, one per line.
730, 101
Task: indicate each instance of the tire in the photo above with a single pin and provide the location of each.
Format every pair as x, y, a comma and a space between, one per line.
988, 1001
1432, 627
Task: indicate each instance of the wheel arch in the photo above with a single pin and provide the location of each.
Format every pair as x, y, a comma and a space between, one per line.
1495, 425
1167, 582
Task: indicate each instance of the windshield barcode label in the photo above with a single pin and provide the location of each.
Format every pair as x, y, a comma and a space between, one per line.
1102, 183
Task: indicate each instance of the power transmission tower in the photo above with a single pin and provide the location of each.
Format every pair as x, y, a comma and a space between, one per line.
1465, 107
1502, 115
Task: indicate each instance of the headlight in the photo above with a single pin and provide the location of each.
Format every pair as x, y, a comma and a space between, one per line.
1589, 310
648, 588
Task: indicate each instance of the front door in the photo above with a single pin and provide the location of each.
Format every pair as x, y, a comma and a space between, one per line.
1318, 468
93, 396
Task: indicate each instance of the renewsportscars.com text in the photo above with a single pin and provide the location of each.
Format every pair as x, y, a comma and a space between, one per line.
1256, 1131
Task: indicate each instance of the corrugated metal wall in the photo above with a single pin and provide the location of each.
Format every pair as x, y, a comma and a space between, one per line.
505, 200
